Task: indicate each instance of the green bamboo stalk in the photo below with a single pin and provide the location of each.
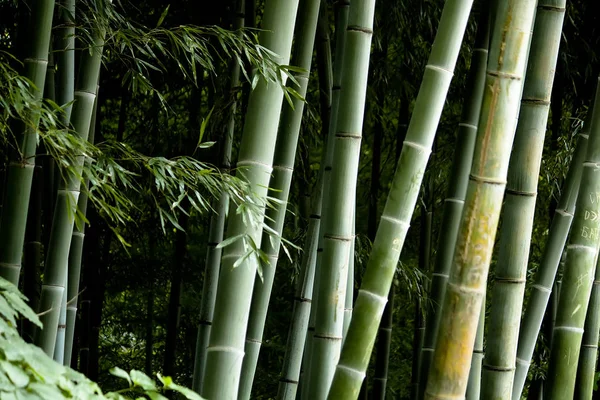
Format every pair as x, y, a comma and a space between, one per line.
449, 372
401, 201
22, 163
578, 273
337, 227
474, 384
584, 386
341, 22
283, 168
32, 260
75, 256
288, 383
418, 336
384, 341
551, 257
217, 224
226, 344
56, 266
349, 298
520, 198
456, 192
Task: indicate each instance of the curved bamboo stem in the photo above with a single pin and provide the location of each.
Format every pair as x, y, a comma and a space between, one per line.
457, 190
401, 201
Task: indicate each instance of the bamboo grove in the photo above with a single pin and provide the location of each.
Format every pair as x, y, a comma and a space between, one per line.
301, 199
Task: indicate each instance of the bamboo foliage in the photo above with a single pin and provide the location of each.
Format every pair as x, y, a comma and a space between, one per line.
338, 224
578, 274
401, 201
283, 168
22, 164
520, 199
226, 344
457, 189
56, 267
448, 374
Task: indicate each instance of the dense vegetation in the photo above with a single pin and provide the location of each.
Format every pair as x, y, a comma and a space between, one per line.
227, 197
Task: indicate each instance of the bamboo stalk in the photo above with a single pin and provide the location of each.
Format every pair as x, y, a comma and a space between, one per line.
551, 257
225, 351
401, 201
520, 199
22, 163
448, 375
456, 192
578, 274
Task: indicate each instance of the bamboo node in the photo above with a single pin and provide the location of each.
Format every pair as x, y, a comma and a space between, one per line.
340, 238
362, 29
348, 135
464, 124
352, 371
483, 179
327, 337
523, 362
254, 163
521, 193
573, 329
506, 75
551, 8
395, 221
541, 288
226, 349
510, 280
283, 168
380, 299
498, 368
439, 68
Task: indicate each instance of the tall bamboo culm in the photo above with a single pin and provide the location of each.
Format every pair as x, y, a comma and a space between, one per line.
64, 58
217, 224
457, 189
474, 383
19, 176
341, 23
290, 375
283, 168
578, 273
584, 386
56, 266
519, 203
449, 371
225, 350
400, 204
551, 258
338, 229
76, 256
